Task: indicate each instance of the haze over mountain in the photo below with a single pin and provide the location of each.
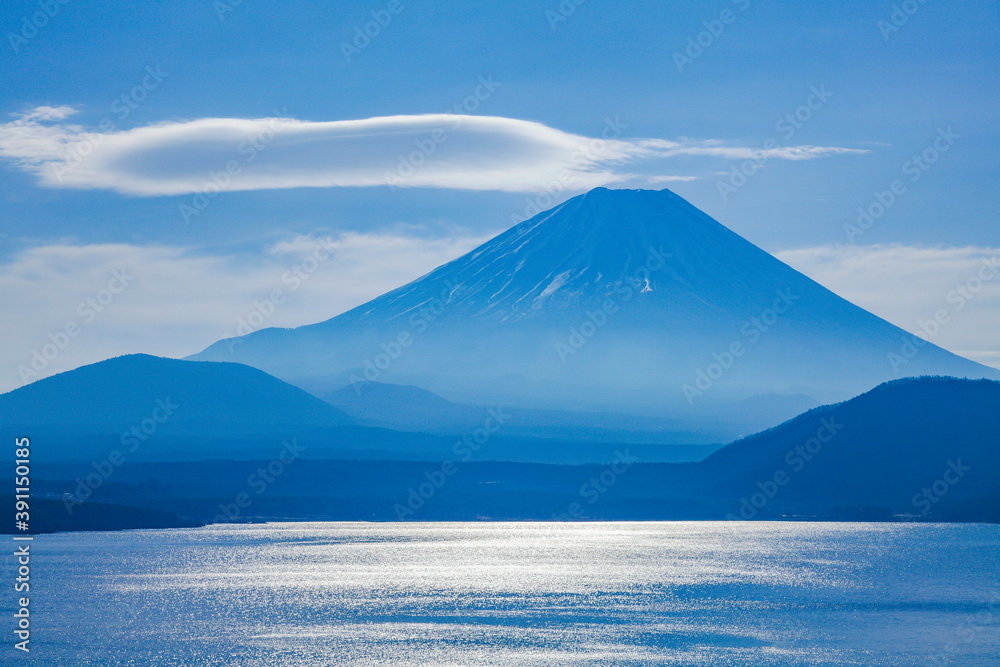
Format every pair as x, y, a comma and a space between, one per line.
151, 406
155, 409
925, 447
622, 300
409, 408
118, 392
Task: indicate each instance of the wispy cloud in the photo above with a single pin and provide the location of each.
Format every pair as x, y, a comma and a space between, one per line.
716, 148
434, 150
181, 300
914, 287
174, 301
670, 179
47, 113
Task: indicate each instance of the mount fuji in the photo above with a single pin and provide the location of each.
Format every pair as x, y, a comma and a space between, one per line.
627, 301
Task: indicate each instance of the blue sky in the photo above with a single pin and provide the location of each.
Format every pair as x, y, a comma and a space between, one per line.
541, 80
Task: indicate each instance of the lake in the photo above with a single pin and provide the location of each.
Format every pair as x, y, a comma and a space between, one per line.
672, 593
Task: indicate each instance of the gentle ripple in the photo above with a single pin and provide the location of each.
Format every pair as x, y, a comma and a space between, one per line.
681, 593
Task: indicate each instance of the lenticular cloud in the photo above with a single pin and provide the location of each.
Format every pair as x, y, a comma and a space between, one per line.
434, 150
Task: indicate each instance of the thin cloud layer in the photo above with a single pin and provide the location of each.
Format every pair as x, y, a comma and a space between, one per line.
950, 296
78, 304
436, 150
173, 301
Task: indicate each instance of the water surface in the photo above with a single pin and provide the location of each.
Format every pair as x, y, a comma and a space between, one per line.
678, 593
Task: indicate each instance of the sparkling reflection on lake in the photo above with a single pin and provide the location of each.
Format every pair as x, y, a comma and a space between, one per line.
675, 593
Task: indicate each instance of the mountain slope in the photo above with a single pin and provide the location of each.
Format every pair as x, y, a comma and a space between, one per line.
398, 405
167, 397
883, 448
152, 409
925, 447
409, 408
616, 299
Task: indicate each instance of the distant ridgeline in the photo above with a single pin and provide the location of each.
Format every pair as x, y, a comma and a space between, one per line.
914, 449
587, 363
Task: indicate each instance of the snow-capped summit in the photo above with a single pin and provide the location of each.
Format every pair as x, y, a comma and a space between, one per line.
628, 300
588, 249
